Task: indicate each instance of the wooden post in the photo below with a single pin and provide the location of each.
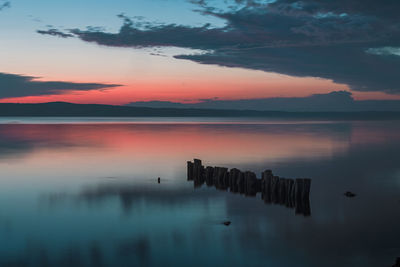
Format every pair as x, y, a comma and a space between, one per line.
266, 181
200, 177
190, 170
209, 172
223, 178
306, 188
250, 183
299, 187
197, 168
282, 191
233, 176
215, 176
289, 194
240, 182
274, 189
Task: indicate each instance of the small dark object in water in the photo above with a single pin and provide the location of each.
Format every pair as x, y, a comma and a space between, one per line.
349, 194
159, 180
397, 264
227, 223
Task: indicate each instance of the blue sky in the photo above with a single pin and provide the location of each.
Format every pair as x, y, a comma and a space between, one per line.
79, 14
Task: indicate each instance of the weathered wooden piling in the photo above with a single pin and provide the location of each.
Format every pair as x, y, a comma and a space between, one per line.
233, 177
221, 178
209, 172
225, 179
306, 188
197, 168
190, 170
215, 176
274, 189
282, 191
289, 192
266, 177
250, 183
266, 185
240, 183
299, 187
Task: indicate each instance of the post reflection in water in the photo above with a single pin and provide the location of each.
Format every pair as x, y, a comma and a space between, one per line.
273, 189
88, 194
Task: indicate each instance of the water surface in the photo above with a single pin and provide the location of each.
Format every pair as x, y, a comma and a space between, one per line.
85, 193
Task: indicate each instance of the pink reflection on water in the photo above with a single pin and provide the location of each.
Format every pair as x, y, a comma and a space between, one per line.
136, 148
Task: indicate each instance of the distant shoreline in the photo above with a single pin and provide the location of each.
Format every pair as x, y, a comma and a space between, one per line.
62, 109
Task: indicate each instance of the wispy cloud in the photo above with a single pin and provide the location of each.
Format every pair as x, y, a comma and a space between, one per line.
14, 85
4, 4
55, 32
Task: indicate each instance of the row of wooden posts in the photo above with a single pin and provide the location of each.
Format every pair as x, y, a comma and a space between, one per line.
293, 193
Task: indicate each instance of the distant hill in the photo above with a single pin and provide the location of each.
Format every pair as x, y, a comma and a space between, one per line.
334, 101
62, 109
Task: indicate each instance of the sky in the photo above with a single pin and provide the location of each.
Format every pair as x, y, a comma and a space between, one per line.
122, 51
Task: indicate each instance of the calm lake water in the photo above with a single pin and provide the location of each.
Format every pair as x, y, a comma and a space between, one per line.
85, 193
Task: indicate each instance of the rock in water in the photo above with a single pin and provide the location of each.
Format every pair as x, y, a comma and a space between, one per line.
349, 194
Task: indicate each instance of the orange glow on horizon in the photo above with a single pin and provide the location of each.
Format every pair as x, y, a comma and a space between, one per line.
255, 84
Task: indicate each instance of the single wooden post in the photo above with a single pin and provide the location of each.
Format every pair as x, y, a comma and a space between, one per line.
190, 170
209, 172
197, 168
306, 188
282, 191
266, 181
250, 183
200, 178
289, 194
223, 178
215, 176
240, 183
299, 187
305, 196
274, 189
233, 176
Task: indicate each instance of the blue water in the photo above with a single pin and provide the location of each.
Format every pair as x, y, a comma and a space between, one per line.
85, 193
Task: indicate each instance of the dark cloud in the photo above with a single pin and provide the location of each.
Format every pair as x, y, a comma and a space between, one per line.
13, 85
327, 39
55, 32
333, 101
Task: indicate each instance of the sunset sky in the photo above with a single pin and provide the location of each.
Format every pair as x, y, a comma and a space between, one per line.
120, 51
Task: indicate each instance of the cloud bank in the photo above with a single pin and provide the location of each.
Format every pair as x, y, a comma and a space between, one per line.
333, 101
13, 85
308, 38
